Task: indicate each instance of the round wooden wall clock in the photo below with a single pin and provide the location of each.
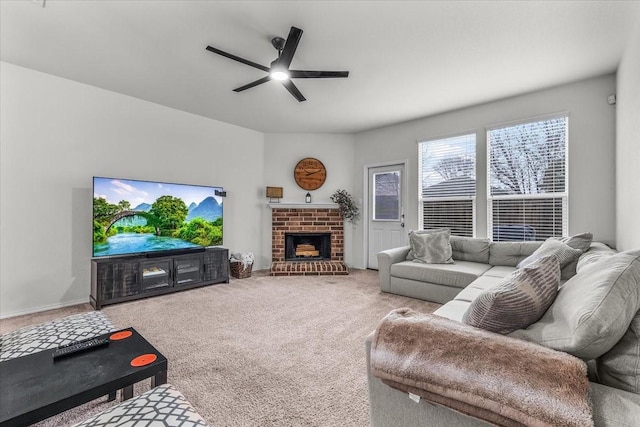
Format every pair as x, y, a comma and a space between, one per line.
310, 173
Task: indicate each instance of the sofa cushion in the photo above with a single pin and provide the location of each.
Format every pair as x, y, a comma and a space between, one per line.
620, 366
596, 252
593, 309
582, 242
477, 287
470, 249
510, 253
456, 275
453, 310
431, 248
501, 271
519, 300
562, 251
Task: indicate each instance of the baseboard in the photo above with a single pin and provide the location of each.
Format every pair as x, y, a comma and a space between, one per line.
43, 308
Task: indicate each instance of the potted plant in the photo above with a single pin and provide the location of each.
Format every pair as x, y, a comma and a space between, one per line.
348, 208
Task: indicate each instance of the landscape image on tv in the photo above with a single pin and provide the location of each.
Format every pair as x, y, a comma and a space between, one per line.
131, 216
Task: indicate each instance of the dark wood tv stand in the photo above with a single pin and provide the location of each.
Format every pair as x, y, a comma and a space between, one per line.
118, 279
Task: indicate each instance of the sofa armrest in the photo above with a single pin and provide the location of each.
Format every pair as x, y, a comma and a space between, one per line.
385, 260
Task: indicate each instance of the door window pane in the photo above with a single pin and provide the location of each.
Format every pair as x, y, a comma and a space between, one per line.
386, 197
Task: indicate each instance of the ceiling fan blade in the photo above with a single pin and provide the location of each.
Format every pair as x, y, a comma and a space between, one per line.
252, 84
306, 74
237, 58
290, 47
293, 90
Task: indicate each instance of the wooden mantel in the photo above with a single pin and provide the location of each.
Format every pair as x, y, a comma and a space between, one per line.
290, 205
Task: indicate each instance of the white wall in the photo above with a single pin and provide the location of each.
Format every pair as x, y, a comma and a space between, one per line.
628, 147
282, 153
591, 151
56, 134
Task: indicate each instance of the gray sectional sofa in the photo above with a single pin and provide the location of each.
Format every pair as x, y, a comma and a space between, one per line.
595, 317
474, 258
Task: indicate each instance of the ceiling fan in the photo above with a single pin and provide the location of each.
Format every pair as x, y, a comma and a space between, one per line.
279, 69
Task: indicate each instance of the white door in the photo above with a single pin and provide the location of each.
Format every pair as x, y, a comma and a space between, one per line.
385, 210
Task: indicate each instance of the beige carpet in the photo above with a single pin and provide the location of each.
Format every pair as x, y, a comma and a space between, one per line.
261, 351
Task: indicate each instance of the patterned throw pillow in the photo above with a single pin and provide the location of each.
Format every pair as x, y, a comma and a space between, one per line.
518, 301
432, 247
411, 254
160, 406
32, 339
562, 251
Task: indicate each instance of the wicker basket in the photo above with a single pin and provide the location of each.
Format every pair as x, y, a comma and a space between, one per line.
239, 271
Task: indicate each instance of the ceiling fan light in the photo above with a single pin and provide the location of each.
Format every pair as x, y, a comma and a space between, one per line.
279, 75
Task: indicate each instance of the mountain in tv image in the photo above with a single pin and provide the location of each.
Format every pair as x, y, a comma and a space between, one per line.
208, 209
165, 216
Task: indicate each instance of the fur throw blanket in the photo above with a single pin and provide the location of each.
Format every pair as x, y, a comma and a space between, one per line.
499, 379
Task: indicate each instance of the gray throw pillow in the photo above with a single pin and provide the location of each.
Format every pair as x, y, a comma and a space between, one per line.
431, 248
620, 366
582, 242
518, 301
593, 309
411, 255
564, 252
596, 252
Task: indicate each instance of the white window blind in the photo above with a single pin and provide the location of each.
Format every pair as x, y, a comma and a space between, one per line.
527, 180
447, 184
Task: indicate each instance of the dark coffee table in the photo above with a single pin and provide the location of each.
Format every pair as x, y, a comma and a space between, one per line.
34, 387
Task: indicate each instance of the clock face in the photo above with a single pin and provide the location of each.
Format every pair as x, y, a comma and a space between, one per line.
310, 173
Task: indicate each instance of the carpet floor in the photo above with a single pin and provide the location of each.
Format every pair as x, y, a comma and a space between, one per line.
260, 351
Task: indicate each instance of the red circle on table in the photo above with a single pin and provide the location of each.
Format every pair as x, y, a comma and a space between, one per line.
143, 360
120, 335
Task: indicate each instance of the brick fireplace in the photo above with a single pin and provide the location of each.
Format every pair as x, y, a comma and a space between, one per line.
306, 220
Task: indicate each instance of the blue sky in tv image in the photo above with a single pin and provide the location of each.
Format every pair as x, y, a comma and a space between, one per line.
137, 192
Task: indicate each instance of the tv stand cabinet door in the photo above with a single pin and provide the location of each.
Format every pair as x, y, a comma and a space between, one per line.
216, 265
114, 280
188, 270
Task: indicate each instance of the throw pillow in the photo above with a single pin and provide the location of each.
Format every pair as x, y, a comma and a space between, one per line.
518, 301
564, 252
411, 255
582, 242
431, 248
596, 252
593, 309
619, 366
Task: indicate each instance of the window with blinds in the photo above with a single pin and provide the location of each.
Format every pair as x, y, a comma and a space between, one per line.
447, 184
527, 180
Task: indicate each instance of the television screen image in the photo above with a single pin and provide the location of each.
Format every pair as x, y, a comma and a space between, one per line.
132, 217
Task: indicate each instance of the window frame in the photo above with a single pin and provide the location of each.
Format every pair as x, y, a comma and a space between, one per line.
422, 199
563, 196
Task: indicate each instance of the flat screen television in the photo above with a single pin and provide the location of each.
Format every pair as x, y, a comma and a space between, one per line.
136, 217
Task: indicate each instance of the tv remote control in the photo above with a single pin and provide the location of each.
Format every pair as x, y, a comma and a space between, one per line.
79, 346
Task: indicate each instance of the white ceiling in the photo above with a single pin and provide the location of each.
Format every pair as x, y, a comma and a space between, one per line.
406, 59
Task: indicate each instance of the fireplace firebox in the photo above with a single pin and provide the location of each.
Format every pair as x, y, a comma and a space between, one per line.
307, 246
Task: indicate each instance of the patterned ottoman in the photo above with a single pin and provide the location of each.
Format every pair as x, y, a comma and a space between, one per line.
32, 339
160, 406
